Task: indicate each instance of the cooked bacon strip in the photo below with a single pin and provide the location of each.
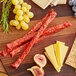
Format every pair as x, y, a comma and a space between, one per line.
50, 31
27, 36
34, 39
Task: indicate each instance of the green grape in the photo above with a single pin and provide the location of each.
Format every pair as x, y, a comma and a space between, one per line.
20, 18
24, 9
21, 1
15, 2
28, 7
30, 14
18, 27
17, 7
26, 19
14, 11
19, 12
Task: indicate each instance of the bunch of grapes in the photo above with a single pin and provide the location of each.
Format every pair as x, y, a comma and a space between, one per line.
22, 14
73, 4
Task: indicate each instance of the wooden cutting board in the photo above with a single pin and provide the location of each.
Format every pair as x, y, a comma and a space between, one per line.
67, 35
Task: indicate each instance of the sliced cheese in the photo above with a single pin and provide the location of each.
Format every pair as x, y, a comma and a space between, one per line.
62, 1
60, 42
60, 51
51, 56
55, 65
54, 2
64, 50
42, 3
57, 53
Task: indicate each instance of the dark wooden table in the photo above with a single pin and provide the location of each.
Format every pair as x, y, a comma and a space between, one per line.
64, 13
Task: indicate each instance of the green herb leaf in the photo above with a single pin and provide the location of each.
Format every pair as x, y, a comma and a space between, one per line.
5, 14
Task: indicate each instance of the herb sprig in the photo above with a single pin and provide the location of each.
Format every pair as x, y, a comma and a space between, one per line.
5, 14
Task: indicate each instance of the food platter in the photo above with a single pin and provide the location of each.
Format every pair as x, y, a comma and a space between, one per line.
66, 35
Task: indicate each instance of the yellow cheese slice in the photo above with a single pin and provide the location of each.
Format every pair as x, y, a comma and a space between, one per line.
57, 53
60, 51
55, 65
51, 56
42, 3
60, 42
64, 50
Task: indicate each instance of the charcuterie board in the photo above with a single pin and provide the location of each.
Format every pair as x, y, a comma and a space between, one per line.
64, 13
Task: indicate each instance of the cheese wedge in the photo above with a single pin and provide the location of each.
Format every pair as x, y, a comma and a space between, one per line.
51, 56
64, 50
62, 1
55, 65
60, 52
60, 42
42, 3
54, 2
57, 53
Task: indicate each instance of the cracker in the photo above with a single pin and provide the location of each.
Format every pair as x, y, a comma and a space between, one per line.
71, 60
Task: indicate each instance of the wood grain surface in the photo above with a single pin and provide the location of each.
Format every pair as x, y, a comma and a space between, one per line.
64, 14
1, 67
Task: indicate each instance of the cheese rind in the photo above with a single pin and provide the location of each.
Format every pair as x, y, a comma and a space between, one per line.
42, 3
51, 56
